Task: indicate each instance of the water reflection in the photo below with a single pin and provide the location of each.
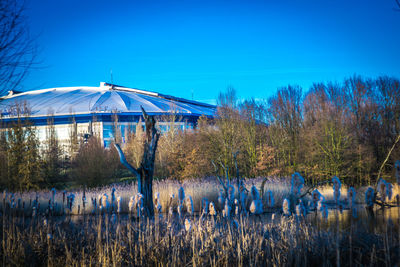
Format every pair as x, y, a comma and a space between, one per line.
376, 220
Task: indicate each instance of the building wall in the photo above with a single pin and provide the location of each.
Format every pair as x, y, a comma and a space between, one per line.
100, 126
125, 127
64, 132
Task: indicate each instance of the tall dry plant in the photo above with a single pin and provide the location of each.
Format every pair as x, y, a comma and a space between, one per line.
133, 148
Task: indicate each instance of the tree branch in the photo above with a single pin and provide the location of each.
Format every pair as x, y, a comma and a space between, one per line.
383, 205
219, 178
236, 165
125, 162
386, 159
226, 172
17, 47
145, 116
308, 191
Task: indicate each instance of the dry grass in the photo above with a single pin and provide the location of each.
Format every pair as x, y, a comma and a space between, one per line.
120, 240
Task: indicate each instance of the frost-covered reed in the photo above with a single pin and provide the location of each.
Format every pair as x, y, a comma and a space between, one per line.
204, 205
119, 200
212, 211
157, 203
369, 197
286, 207
301, 210
189, 205
336, 189
351, 197
256, 206
170, 196
297, 184
316, 200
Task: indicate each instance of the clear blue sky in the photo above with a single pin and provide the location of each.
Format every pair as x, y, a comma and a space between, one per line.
180, 47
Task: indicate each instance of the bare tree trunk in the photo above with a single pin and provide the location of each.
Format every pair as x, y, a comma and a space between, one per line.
144, 173
146, 190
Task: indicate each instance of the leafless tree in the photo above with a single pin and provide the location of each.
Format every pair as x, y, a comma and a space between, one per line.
144, 173
397, 8
17, 48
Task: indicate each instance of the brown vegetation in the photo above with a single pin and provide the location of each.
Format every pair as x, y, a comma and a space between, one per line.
343, 129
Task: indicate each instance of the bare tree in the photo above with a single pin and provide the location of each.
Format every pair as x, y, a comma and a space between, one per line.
285, 120
144, 173
17, 49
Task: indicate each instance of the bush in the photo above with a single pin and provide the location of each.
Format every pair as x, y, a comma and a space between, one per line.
95, 165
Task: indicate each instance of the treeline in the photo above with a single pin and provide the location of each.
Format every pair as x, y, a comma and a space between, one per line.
344, 129
26, 163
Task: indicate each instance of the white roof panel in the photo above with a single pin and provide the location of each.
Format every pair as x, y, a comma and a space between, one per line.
103, 99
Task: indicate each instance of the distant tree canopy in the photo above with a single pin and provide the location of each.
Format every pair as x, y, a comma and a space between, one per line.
344, 129
341, 129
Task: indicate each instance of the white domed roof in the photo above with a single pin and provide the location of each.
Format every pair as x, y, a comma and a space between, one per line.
107, 98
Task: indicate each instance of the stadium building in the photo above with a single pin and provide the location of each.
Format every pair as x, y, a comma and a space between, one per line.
95, 110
